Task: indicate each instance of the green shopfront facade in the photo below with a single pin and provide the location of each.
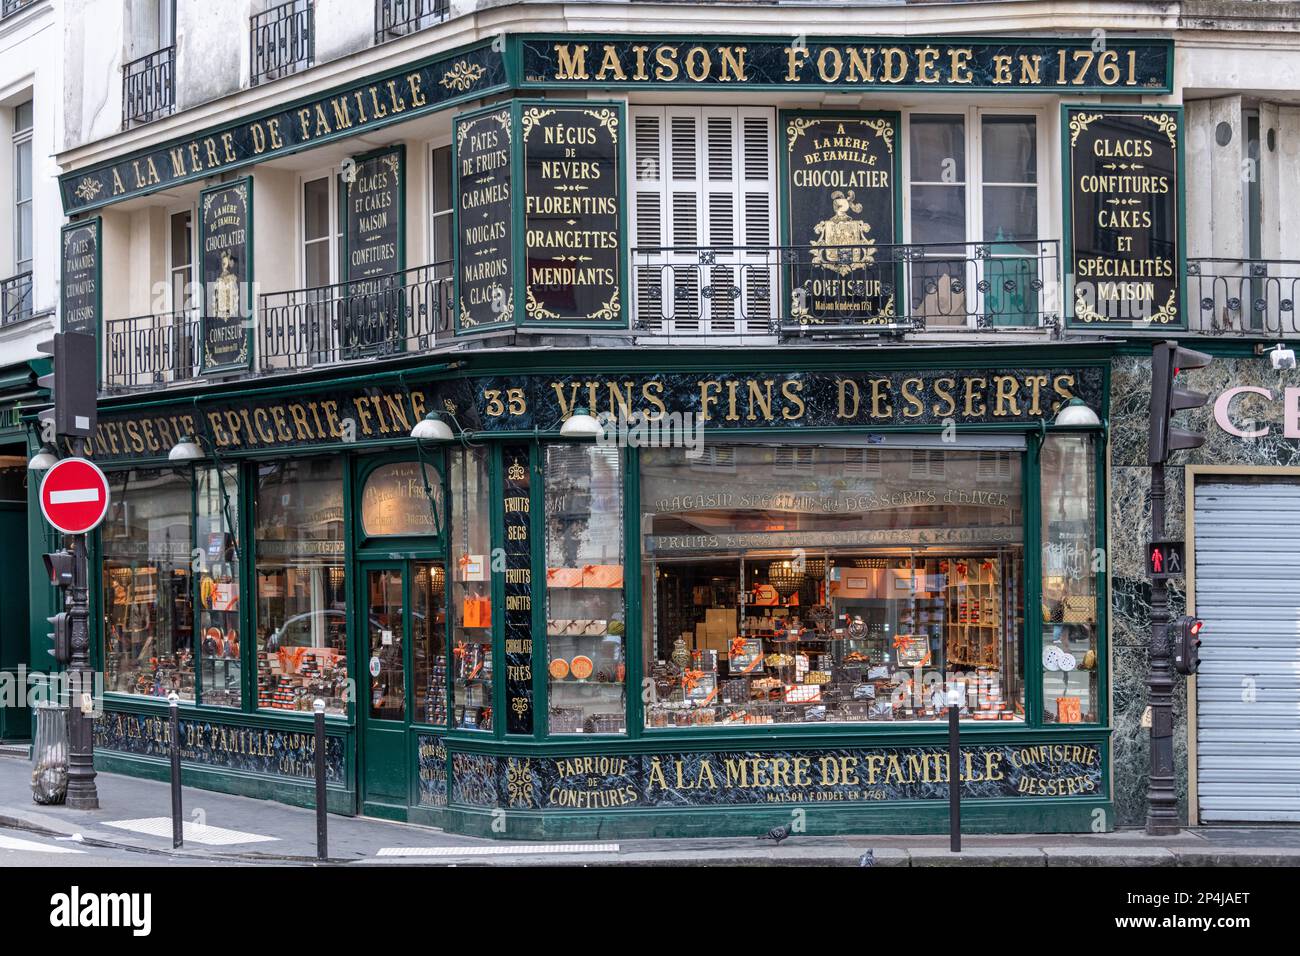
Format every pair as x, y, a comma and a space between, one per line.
498, 622
808, 514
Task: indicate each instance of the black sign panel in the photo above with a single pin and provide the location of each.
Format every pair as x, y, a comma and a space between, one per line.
349, 111
1125, 233
573, 213
81, 272
1166, 559
723, 399
226, 275
842, 188
374, 201
518, 590
875, 63
484, 242
768, 777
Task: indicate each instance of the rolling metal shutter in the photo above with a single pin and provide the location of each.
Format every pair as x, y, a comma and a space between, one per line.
1248, 688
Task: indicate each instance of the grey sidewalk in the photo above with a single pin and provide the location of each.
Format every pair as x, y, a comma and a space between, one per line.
358, 841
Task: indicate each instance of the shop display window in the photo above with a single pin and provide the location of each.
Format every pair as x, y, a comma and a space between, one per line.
146, 541
1071, 666
301, 597
217, 567
788, 584
471, 590
585, 619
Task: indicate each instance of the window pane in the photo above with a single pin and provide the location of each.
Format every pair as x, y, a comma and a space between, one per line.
939, 214
1010, 214
429, 647
471, 591
180, 239
301, 600
23, 171
442, 179
399, 500
316, 209
148, 596
23, 117
217, 521
386, 628
1010, 149
818, 584
442, 239
1070, 662
584, 589
24, 237
317, 263
937, 146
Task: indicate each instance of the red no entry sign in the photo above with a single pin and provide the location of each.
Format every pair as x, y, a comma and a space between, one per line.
74, 496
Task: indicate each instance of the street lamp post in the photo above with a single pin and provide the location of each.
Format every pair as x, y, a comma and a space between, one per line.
82, 791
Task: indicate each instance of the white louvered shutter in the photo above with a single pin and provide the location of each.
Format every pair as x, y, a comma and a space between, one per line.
649, 226
704, 181
758, 214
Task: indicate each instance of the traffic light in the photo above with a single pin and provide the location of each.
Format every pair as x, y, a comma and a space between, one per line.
61, 567
71, 384
1187, 643
1167, 399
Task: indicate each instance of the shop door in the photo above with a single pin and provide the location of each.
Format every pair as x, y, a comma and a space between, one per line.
405, 659
1248, 686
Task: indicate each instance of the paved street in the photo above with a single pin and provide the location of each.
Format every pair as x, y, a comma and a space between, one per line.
132, 827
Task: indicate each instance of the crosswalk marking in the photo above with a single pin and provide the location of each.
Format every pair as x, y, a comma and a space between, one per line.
498, 850
193, 832
31, 846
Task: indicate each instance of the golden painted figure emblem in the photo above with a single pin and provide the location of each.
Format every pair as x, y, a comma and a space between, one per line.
842, 243
225, 292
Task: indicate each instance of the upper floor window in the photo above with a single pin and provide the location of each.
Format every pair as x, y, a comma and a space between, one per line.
180, 264
149, 78
397, 18
23, 187
321, 232
441, 208
973, 206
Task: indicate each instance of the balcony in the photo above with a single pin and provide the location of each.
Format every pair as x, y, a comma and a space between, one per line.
281, 41
399, 18
684, 294
149, 88
15, 299
389, 315
148, 351
1249, 297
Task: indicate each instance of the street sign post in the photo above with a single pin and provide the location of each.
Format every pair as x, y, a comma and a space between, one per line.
74, 496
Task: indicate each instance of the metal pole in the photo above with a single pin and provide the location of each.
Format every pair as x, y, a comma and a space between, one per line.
954, 773
322, 811
82, 792
174, 722
1162, 800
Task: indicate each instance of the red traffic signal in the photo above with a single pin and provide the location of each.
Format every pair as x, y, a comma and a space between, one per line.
1168, 359
61, 567
1187, 644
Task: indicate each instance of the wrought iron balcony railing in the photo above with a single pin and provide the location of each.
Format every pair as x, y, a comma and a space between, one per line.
146, 351
398, 18
281, 41
149, 87
401, 312
9, 7
691, 292
16, 299
1243, 296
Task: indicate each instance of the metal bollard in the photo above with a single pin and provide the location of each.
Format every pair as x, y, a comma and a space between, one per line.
322, 811
174, 721
954, 769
